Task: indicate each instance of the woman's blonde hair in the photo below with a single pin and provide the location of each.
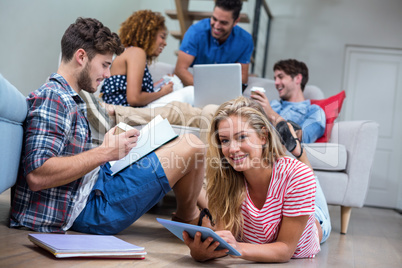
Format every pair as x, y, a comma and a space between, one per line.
140, 29
225, 186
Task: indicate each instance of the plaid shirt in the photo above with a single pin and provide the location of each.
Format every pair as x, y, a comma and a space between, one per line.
56, 125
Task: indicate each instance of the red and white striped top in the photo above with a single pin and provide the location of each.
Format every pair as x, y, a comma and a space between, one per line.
291, 193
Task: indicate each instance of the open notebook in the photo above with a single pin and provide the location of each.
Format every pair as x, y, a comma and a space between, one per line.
152, 136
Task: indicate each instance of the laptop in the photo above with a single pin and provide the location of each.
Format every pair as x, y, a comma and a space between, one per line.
216, 83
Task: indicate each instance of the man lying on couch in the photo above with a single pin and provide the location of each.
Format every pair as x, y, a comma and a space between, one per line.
291, 77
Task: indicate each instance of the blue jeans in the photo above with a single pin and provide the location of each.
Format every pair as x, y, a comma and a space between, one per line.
321, 211
115, 202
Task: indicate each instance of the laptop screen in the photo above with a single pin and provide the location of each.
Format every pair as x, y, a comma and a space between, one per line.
216, 83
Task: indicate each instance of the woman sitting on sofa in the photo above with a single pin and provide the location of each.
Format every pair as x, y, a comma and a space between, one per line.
144, 35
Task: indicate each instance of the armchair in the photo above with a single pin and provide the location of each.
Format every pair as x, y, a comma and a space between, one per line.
348, 186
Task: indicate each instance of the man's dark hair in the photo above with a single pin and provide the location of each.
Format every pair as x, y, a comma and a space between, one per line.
230, 5
90, 35
293, 67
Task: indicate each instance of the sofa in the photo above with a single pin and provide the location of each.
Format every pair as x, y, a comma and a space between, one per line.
13, 110
342, 164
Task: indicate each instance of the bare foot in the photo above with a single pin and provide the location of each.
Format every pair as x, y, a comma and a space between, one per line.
206, 219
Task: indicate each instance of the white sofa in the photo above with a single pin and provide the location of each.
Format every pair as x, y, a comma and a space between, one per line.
342, 165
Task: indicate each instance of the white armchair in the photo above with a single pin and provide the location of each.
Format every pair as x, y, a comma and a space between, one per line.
348, 186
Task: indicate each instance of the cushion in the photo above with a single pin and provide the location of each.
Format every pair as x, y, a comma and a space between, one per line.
334, 185
326, 156
13, 110
332, 107
13, 105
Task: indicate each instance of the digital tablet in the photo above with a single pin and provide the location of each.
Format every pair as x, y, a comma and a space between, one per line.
177, 229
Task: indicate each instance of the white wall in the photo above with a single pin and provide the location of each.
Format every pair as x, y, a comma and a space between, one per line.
31, 32
317, 32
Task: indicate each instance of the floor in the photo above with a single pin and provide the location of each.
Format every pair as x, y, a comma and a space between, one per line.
374, 239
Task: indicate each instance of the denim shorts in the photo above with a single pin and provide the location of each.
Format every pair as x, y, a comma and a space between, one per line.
115, 202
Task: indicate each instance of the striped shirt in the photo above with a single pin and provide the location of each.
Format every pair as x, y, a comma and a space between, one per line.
291, 193
56, 125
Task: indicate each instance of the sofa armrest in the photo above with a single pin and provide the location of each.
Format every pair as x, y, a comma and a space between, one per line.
13, 110
360, 140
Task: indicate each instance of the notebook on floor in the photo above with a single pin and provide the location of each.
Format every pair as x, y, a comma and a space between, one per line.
88, 246
216, 83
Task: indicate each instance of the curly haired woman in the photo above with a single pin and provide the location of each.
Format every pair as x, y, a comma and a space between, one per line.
144, 36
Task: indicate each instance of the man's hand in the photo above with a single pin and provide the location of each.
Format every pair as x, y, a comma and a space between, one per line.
61, 170
262, 99
184, 61
118, 146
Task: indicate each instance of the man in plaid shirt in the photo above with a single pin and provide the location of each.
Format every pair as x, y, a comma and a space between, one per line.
63, 182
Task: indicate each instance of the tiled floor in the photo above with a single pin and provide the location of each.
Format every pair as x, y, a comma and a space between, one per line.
374, 239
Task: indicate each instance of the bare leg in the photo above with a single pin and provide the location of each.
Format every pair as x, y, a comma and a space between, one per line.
207, 114
183, 163
176, 112
317, 223
202, 201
